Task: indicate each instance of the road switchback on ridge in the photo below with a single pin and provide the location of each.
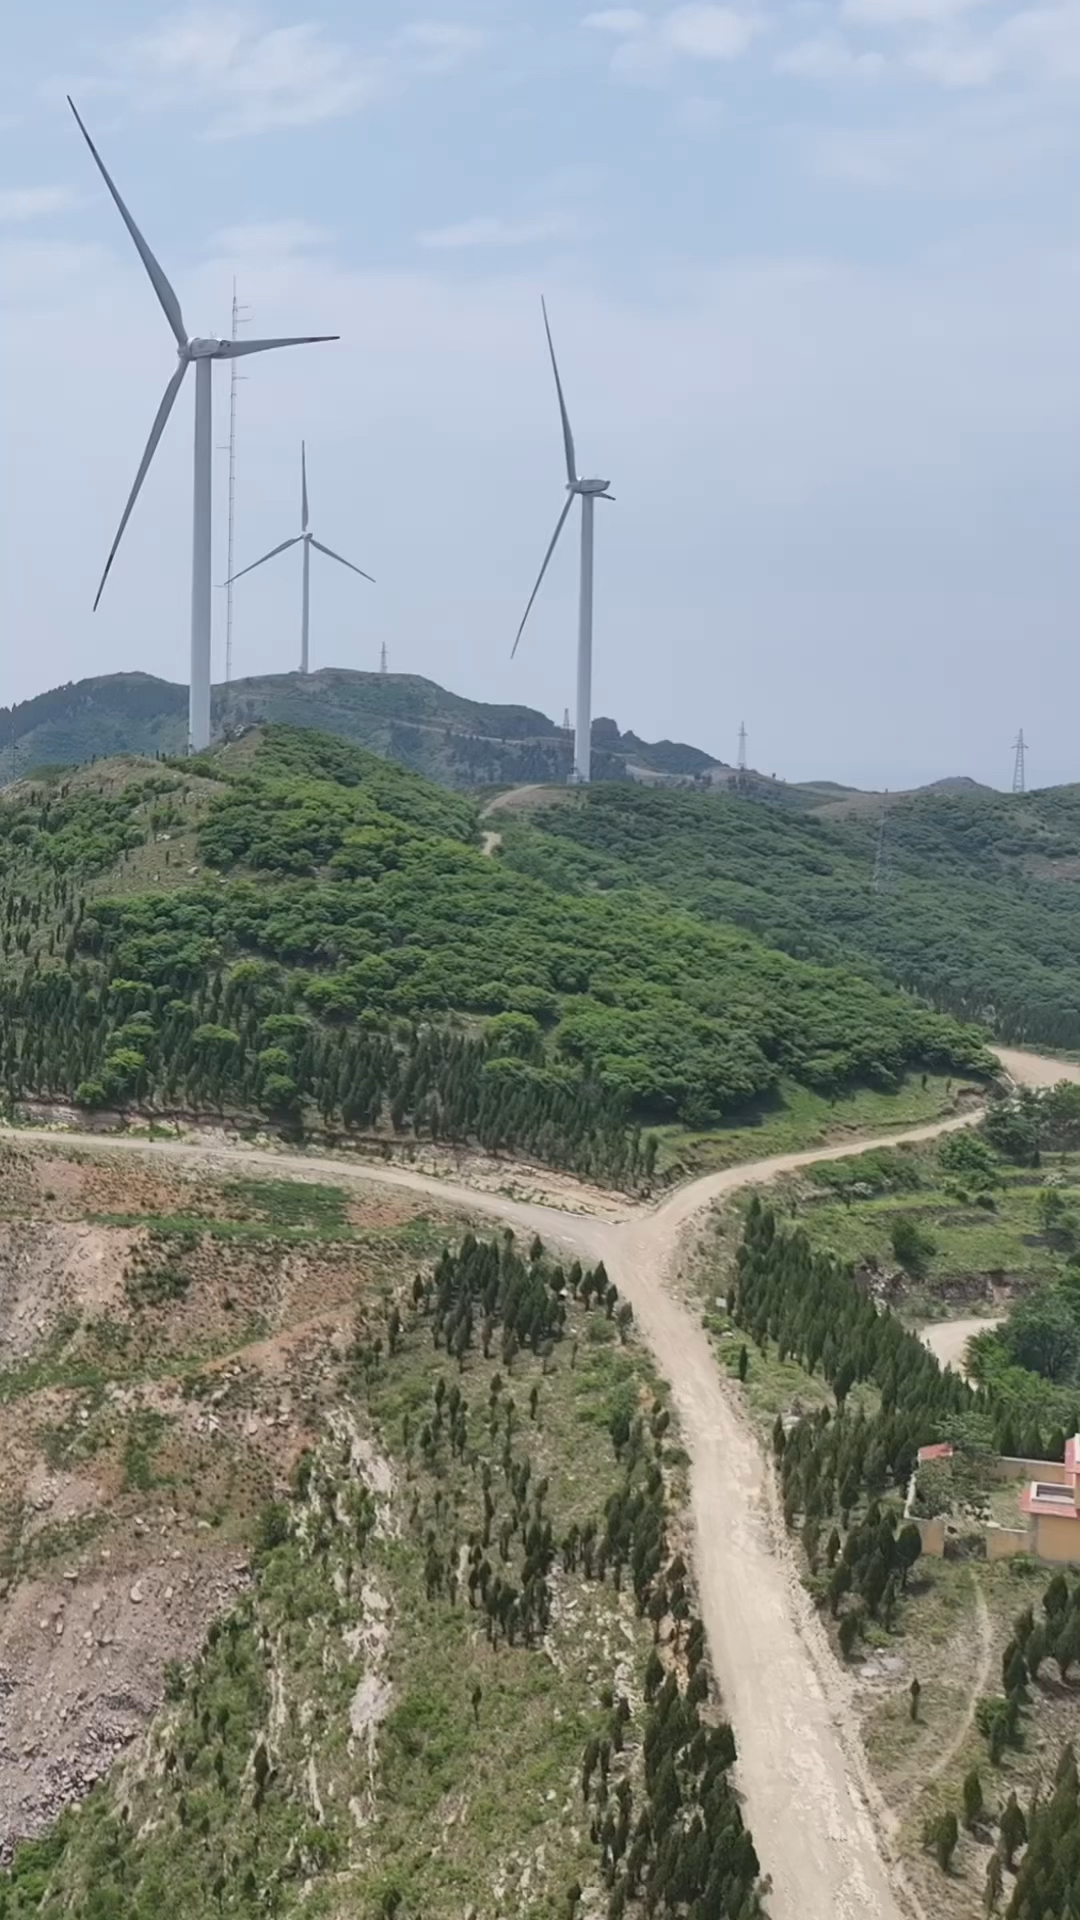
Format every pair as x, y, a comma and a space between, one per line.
809, 1800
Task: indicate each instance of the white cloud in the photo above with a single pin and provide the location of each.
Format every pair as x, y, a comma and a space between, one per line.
905, 13
251, 80
440, 45
974, 64
956, 45
830, 57
617, 20
649, 47
490, 230
988, 144
268, 239
1038, 47
709, 33
33, 203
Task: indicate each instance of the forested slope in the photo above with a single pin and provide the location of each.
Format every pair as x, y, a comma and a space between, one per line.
338, 949
978, 907
402, 716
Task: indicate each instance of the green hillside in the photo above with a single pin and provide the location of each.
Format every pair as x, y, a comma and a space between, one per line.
461, 743
466, 1599
978, 906
293, 927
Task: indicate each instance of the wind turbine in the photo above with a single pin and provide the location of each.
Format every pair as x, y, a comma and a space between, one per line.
588, 491
203, 353
309, 541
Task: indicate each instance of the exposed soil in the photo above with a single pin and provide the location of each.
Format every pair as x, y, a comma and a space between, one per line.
82, 1664
948, 1338
139, 1437
526, 799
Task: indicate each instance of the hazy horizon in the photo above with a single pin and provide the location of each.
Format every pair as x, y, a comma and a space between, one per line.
812, 281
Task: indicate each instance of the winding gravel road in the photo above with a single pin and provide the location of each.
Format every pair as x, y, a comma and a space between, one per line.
801, 1768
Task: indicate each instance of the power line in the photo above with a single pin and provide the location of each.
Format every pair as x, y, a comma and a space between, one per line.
1019, 763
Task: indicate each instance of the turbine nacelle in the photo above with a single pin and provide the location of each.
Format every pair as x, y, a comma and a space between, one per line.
201, 350
593, 487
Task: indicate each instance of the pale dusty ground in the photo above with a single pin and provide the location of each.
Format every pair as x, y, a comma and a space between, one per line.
521, 799
948, 1338
50, 1269
85, 1662
817, 1824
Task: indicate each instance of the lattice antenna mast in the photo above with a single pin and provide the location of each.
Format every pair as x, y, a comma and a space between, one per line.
382, 659
1020, 763
881, 857
241, 317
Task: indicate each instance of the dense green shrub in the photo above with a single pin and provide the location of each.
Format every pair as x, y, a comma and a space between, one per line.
342, 957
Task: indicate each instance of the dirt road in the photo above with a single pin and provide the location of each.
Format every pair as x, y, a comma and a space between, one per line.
1036, 1069
800, 1761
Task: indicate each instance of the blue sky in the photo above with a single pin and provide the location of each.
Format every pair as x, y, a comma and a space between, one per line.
813, 273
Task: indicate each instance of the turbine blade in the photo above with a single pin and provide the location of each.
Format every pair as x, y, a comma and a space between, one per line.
543, 570
169, 302
156, 432
233, 349
568, 438
331, 555
303, 487
266, 556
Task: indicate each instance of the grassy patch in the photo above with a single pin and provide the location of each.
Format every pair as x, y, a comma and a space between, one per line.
289, 1203
802, 1118
1001, 1241
145, 1433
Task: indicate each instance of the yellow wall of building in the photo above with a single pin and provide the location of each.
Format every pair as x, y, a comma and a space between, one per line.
1051, 1471
932, 1535
1056, 1538
1003, 1542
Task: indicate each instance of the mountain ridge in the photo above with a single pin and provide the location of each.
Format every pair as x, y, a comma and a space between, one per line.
402, 717
407, 718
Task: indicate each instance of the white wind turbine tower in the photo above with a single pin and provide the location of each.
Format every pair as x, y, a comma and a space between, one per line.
203, 353
588, 491
309, 541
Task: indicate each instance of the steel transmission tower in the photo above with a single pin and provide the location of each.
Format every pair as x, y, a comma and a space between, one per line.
241, 315
382, 659
742, 747
881, 856
1019, 763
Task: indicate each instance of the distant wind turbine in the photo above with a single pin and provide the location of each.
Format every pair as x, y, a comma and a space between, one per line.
309, 541
588, 490
203, 353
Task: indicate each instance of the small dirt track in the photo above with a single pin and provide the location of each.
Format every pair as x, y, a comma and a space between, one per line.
801, 1767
